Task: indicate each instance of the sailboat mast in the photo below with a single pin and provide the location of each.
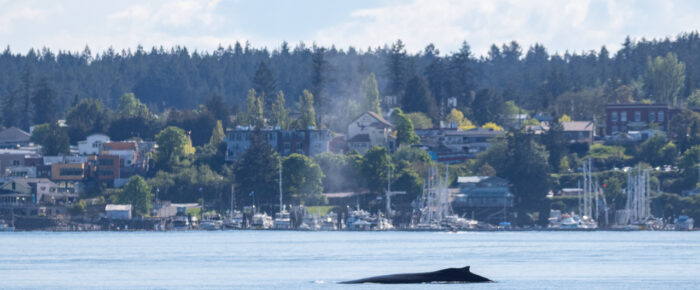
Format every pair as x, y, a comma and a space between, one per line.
280, 179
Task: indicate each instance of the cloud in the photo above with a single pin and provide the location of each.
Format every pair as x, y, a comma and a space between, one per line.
560, 25
574, 25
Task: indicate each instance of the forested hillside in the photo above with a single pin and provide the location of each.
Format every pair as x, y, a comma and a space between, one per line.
41, 82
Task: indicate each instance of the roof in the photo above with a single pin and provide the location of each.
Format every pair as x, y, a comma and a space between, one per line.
578, 126
380, 118
14, 134
359, 138
117, 207
471, 179
110, 146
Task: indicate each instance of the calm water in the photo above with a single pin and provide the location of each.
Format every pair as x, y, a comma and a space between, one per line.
316, 260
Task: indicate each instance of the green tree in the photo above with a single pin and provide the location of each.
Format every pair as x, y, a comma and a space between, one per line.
370, 93
418, 98
664, 78
172, 147
217, 135
685, 127
656, 151
374, 169
257, 173
45, 102
488, 107
216, 105
302, 180
137, 192
52, 138
397, 68
420, 120
254, 114
85, 118
527, 169
131, 107
265, 84
405, 134
688, 167
280, 113
694, 100
308, 115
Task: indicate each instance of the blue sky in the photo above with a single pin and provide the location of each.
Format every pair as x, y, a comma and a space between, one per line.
560, 25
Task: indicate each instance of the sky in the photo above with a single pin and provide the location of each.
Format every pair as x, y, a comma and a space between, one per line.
575, 26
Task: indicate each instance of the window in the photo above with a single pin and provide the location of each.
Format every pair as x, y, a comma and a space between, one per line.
71, 171
300, 146
661, 116
106, 173
623, 117
613, 116
106, 162
15, 162
637, 116
614, 129
652, 117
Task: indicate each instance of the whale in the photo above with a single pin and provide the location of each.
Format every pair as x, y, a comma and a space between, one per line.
449, 275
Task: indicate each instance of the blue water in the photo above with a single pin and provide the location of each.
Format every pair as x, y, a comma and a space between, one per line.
317, 260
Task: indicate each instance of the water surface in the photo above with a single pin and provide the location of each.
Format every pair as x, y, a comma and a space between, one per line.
317, 260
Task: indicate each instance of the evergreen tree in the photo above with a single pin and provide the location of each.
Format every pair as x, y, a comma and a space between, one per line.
45, 103
318, 82
9, 110
418, 98
87, 117
257, 174
217, 106
397, 68
265, 84
26, 95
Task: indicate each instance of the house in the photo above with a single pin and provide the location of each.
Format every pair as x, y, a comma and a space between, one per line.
127, 152
308, 142
369, 130
14, 138
451, 145
637, 117
118, 211
93, 144
483, 192
14, 159
37, 190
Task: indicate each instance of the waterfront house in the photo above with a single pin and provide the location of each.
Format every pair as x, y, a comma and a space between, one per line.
487, 198
118, 211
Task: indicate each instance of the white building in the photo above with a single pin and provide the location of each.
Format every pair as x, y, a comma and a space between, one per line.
92, 145
369, 130
118, 211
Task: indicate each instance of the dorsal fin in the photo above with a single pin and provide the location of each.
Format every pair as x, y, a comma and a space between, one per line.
466, 269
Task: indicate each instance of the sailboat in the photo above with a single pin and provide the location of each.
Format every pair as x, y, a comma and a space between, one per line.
283, 220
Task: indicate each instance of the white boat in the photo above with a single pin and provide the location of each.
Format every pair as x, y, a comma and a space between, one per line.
4, 227
310, 223
283, 221
330, 222
181, 223
211, 222
261, 221
684, 223
235, 220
